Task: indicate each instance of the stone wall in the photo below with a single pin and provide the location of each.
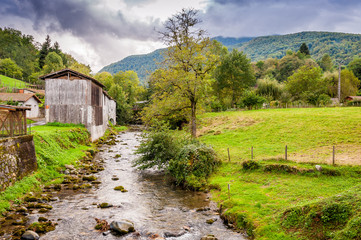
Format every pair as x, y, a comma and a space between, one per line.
17, 159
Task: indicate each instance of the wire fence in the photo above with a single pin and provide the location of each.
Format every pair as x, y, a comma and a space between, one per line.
332, 155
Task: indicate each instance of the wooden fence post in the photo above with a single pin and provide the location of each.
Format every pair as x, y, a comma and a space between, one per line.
286, 153
333, 156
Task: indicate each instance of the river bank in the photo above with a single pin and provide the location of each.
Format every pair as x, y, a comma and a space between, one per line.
157, 208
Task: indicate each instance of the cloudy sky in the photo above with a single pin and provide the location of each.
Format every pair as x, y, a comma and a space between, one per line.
100, 32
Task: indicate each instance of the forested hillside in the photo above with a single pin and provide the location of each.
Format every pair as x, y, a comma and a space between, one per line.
340, 46
23, 58
142, 64
20, 48
229, 41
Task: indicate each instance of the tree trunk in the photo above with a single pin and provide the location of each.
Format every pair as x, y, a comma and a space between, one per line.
193, 120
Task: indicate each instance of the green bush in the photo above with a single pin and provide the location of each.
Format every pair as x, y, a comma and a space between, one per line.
187, 160
193, 164
250, 165
158, 148
335, 213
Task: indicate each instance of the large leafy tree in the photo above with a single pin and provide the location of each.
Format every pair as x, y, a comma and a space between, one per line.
233, 76
349, 83
20, 48
53, 62
9, 68
306, 80
326, 63
185, 77
355, 67
287, 66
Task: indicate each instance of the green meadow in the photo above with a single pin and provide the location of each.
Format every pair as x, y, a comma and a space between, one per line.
11, 82
271, 198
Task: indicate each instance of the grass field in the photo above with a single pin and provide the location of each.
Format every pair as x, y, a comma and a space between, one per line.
11, 82
260, 198
309, 134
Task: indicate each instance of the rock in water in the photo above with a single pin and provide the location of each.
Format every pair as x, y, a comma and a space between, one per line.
318, 168
30, 235
209, 237
122, 227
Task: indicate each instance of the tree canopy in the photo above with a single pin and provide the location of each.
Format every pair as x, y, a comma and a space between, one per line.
233, 76
184, 78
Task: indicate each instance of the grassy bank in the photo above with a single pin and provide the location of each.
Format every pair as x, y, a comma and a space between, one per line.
55, 146
277, 199
11, 82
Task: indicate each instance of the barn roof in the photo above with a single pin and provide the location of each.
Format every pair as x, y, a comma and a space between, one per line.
70, 73
18, 97
107, 94
354, 98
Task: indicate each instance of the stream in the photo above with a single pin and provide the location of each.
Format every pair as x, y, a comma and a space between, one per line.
158, 209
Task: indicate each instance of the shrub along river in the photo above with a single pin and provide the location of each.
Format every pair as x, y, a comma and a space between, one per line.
158, 209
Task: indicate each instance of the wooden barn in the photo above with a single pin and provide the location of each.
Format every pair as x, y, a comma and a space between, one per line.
72, 97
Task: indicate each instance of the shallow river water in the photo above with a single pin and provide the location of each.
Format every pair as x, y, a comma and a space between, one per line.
154, 206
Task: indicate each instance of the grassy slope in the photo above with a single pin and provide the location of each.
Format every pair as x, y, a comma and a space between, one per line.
258, 198
308, 133
11, 82
55, 146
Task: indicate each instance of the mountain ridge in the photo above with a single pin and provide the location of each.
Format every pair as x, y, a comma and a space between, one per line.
340, 46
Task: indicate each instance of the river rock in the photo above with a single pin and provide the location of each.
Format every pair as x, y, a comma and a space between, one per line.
21, 209
174, 234
209, 237
122, 227
211, 221
318, 168
89, 178
105, 205
30, 235
70, 167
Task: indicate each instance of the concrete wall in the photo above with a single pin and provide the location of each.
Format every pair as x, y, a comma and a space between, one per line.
17, 159
109, 110
34, 112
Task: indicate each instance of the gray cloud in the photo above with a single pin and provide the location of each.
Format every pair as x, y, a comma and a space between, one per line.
83, 18
264, 17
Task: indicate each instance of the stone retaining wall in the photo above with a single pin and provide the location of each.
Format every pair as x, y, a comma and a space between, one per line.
17, 159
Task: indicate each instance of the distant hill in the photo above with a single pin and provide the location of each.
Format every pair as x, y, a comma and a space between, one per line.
230, 41
340, 46
142, 64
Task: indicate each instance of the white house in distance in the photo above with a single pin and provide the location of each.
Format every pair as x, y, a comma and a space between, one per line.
73, 97
24, 99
